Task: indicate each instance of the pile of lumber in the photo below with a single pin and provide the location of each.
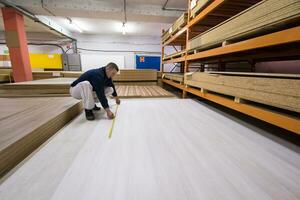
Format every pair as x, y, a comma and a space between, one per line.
174, 55
28, 122
37, 75
198, 5
264, 17
136, 75
174, 77
166, 35
177, 25
278, 90
141, 91
6, 75
71, 74
37, 88
159, 74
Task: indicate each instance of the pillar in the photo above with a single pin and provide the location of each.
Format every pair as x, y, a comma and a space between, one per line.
16, 42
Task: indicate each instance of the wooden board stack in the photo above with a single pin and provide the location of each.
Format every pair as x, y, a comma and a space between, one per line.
264, 17
198, 5
174, 76
60, 87
159, 74
280, 91
136, 75
45, 87
28, 122
134, 91
6, 75
174, 55
37, 75
178, 24
71, 74
165, 35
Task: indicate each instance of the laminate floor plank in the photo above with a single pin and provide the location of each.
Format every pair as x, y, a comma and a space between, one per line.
160, 149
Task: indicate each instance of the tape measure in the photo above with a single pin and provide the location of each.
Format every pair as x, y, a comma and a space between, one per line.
113, 123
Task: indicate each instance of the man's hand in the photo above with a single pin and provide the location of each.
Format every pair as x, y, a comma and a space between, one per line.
110, 115
118, 100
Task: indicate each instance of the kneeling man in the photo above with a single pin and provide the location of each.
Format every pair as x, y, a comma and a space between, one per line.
94, 85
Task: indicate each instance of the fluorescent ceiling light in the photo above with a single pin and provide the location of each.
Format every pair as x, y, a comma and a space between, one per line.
124, 28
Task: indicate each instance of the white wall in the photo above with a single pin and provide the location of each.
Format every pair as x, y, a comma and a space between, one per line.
126, 46
91, 61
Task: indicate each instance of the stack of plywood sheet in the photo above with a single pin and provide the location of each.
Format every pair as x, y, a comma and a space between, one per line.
178, 24
28, 122
278, 90
159, 74
45, 87
264, 17
174, 77
71, 74
135, 91
6, 75
166, 35
198, 5
174, 55
37, 75
136, 75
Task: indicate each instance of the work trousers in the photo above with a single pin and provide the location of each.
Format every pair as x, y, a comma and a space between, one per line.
84, 91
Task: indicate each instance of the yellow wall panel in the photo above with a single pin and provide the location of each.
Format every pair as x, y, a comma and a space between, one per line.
46, 61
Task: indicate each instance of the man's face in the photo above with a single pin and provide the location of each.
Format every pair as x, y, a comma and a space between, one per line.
111, 73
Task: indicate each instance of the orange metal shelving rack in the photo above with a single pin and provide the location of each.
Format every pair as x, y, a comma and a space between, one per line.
251, 48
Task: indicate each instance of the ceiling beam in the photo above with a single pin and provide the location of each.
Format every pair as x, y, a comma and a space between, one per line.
40, 19
94, 8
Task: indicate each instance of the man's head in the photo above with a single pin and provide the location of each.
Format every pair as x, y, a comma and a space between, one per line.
111, 69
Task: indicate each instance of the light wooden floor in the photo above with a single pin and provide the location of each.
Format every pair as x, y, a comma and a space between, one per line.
160, 149
142, 91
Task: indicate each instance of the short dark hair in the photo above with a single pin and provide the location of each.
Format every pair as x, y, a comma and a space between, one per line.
112, 65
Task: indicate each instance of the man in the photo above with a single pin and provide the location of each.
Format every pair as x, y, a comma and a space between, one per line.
98, 81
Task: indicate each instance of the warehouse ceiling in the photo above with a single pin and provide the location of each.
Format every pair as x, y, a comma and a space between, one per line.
35, 32
144, 17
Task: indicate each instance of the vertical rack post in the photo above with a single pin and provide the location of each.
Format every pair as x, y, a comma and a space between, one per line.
186, 63
162, 55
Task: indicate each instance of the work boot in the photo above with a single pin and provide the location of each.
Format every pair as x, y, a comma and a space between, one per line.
96, 108
89, 114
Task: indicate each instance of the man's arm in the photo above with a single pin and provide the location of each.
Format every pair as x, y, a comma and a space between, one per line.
99, 89
115, 91
114, 94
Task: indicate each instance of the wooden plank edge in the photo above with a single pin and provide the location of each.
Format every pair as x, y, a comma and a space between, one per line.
8, 162
277, 38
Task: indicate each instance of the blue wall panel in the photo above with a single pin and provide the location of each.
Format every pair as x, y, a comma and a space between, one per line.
147, 62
